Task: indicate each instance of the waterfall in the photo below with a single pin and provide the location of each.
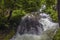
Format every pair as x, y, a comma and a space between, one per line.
34, 28
46, 20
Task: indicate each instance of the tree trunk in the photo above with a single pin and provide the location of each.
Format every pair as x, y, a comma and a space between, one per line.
58, 7
9, 13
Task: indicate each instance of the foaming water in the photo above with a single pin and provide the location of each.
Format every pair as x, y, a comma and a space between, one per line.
28, 37
46, 20
45, 27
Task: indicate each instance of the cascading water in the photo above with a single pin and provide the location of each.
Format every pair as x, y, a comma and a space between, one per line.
46, 20
32, 28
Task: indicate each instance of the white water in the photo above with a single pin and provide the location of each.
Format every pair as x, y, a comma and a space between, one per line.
48, 26
46, 20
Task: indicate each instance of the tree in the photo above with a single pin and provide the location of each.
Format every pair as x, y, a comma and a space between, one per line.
58, 7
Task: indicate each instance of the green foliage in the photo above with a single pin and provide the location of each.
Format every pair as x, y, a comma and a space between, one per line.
1, 3
50, 9
53, 14
19, 7
7, 3
18, 13
28, 5
50, 3
57, 36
